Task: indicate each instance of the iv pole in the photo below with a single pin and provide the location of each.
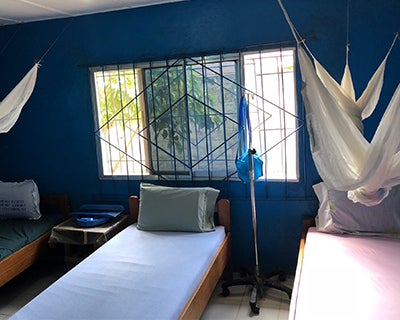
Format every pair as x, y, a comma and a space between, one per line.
255, 279
257, 285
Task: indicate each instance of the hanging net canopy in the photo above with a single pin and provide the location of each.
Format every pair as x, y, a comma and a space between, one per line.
344, 158
12, 104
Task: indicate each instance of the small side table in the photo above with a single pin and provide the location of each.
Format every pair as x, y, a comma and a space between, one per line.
80, 241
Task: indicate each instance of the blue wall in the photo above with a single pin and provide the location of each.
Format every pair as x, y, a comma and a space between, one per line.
53, 141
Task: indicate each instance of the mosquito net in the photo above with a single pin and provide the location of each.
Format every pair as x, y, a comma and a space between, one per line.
345, 160
12, 104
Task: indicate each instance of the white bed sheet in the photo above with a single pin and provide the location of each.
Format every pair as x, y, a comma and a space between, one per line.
347, 277
135, 275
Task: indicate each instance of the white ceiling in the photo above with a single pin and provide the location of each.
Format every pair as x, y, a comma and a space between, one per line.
20, 11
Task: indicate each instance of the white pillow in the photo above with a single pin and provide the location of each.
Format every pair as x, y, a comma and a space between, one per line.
19, 200
338, 214
176, 209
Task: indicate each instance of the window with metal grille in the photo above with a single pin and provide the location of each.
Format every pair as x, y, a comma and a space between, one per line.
177, 119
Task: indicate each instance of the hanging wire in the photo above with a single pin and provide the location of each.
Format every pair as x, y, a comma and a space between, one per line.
38, 62
9, 41
55, 41
299, 39
348, 32
295, 33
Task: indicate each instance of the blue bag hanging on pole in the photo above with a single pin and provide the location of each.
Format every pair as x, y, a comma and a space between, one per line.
245, 151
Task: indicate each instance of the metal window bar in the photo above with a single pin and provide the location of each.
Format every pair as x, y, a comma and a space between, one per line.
186, 100
139, 120
206, 102
107, 122
282, 89
155, 124
123, 121
223, 112
172, 123
191, 94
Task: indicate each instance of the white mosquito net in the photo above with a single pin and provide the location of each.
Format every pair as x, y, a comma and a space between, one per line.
12, 104
345, 160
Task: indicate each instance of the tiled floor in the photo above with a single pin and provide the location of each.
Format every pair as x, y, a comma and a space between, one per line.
23, 288
273, 306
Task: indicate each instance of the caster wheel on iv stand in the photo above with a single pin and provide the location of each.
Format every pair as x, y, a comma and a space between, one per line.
225, 292
253, 301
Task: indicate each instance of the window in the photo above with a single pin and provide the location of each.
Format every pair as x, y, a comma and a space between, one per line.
177, 119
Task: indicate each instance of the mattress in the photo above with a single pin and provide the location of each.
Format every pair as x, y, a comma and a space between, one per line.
17, 233
135, 275
347, 277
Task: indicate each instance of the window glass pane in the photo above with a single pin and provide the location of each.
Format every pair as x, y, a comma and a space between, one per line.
120, 122
167, 116
187, 120
270, 76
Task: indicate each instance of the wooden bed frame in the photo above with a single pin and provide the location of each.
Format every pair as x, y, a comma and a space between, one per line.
307, 223
19, 261
220, 266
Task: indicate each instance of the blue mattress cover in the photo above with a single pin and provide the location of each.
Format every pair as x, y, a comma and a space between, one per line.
16, 233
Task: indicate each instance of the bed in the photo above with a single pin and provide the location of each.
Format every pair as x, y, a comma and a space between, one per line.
142, 274
346, 268
33, 237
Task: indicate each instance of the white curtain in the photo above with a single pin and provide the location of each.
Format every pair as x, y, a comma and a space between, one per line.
12, 104
344, 159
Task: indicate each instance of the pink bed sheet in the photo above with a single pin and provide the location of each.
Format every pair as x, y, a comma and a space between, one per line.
347, 277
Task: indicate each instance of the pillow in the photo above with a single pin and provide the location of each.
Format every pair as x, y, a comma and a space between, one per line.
19, 200
338, 214
176, 209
